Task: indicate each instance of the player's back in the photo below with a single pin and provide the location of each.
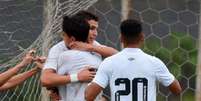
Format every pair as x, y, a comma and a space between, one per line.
70, 62
133, 75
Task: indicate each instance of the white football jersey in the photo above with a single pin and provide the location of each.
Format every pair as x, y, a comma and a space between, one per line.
132, 75
53, 55
70, 62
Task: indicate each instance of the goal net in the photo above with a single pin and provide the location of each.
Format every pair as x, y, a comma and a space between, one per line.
54, 10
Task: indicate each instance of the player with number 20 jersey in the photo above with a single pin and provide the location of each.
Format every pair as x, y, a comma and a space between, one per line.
132, 75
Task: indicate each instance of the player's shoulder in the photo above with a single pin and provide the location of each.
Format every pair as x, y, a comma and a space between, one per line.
59, 47
113, 58
61, 44
70, 52
96, 43
75, 53
154, 60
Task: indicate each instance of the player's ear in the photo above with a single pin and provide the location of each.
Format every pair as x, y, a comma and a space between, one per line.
73, 38
121, 38
142, 37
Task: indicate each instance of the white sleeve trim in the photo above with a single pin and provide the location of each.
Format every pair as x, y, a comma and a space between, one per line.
172, 78
99, 83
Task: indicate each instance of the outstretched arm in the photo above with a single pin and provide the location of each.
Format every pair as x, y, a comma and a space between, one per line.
18, 79
5, 76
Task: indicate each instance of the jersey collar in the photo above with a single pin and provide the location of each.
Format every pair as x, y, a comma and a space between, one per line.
132, 49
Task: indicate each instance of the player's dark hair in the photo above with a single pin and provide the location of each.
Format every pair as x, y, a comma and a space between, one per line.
131, 30
86, 15
78, 28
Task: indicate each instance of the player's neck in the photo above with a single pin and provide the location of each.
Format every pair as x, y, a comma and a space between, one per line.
132, 46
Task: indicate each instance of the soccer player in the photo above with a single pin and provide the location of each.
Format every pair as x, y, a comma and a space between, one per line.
72, 61
10, 79
92, 45
49, 77
131, 73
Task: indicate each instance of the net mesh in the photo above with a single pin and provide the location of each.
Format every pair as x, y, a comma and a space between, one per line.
54, 10
170, 26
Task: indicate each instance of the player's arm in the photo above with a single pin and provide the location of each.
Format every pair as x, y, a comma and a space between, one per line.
4, 77
103, 50
166, 78
175, 87
54, 94
92, 91
100, 81
50, 78
18, 79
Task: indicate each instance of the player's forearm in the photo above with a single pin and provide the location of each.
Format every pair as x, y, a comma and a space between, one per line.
5, 76
104, 50
89, 96
23, 76
92, 91
18, 79
55, 80
51, 79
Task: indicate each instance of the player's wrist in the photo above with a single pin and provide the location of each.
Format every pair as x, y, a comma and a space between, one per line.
20, 65
94, 48
37, 69
74, 77
91, 48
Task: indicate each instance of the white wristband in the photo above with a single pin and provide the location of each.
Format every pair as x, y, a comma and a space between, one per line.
73, 78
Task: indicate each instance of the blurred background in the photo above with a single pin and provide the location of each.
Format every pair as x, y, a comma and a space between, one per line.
171, 28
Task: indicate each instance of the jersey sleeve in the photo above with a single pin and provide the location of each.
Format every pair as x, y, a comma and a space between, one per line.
162, 73
103, 74
51, 62
96, 43
60, 60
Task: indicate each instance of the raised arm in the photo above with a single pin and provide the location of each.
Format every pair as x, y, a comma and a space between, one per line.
18, 79
5, 76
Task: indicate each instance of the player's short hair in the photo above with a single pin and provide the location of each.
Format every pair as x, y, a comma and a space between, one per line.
131, 30
78, 28
86, 15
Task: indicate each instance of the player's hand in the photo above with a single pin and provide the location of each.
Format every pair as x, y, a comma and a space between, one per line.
39, 65
54, 94
86, 74
40, 59
28, 58
81, 46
